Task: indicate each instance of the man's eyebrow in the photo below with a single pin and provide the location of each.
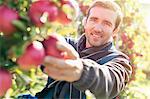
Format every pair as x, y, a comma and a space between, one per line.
107, 21
93, 17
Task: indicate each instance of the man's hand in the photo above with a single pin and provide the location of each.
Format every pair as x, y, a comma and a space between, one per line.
64, 69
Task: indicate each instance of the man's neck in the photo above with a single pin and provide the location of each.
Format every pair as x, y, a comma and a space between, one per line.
87, 45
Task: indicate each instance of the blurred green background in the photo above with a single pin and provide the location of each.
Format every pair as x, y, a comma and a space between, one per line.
132, 39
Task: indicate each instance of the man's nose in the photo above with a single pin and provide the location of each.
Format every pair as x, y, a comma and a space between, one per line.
98, 27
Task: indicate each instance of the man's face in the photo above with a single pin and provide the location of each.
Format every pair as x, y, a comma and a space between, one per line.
99, 26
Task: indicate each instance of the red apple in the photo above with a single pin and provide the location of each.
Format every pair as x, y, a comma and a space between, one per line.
7, 16
64, 2
5, 81
124, 37
83, 8
71, 4
68, 2
38, 8
130, 43
50, 46
32, 57
63, 18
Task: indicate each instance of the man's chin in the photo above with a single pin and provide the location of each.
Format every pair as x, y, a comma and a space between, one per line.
96, 44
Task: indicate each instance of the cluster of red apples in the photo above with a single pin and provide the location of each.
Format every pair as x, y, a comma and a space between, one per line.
34, 52
36, 11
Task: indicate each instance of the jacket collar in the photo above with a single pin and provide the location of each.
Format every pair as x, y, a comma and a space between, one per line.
81, 46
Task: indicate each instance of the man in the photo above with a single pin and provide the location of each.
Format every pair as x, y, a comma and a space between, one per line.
94, 64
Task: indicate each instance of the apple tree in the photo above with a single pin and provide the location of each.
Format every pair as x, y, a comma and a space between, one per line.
26, 29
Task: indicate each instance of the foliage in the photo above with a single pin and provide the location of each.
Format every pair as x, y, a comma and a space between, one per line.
137, 89
132, 34
28, 29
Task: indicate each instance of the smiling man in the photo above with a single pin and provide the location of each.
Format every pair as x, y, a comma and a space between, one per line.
100, 26
94, 64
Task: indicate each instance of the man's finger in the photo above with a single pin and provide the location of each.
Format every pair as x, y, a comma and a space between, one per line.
71, 52
58, 74
56, 62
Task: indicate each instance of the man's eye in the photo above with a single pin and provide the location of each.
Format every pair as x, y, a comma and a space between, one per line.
93, 19
108, 24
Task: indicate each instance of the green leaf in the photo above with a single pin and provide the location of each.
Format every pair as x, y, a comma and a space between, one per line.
20, 25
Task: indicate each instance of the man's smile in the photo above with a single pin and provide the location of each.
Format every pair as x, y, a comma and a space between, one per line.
96, 35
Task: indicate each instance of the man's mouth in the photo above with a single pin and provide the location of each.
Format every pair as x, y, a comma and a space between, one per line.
96, 35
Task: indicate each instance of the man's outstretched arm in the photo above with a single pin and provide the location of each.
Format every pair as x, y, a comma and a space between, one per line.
104, 81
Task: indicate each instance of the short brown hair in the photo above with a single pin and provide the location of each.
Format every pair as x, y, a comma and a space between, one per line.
108, 5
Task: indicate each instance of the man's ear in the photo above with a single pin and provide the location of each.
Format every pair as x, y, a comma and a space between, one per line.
115, 32
84, 21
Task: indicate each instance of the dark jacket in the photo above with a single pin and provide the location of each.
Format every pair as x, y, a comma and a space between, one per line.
105, 73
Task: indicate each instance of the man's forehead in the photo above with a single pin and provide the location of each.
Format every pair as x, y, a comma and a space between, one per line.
104, 8
101, 11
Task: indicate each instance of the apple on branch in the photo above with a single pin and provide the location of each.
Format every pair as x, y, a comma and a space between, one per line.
50, 46
63, 18
7, 16
5, 81
32, 57
40, 7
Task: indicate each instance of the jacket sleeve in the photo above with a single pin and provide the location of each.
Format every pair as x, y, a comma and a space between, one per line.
104, 81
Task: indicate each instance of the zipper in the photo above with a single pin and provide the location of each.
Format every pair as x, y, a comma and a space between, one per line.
52, 83
70, 91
